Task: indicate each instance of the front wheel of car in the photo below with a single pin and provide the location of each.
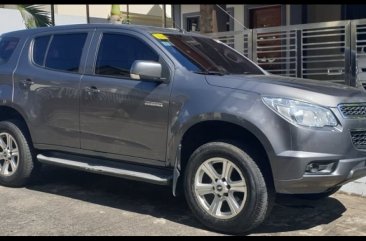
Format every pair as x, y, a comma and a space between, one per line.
16, 157
226, 189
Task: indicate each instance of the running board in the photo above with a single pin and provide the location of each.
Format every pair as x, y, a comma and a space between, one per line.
116, 169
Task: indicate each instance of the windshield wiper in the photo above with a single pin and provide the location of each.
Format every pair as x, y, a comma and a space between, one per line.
210, 73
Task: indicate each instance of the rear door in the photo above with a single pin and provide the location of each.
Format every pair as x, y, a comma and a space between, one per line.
10, 47
47, 86
119, 115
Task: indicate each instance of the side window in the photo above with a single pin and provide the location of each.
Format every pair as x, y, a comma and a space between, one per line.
117, 53
39, 49
65, 52
7, 47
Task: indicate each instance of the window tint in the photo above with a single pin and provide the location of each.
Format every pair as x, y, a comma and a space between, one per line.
65, 52
39, 49
7, 47
118, 52
205, 55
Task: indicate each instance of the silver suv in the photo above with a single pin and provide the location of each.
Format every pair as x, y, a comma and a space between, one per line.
178, 109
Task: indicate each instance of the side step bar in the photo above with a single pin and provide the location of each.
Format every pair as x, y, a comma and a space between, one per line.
116, 169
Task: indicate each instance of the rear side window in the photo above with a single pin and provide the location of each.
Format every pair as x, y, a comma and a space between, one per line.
7, 47
63, 53
39, 49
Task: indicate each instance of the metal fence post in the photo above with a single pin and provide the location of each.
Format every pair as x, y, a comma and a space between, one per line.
352, 48
250, 44
299, 53
347, 53
254, 46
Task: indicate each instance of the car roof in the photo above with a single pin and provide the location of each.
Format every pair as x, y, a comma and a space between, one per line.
138, 28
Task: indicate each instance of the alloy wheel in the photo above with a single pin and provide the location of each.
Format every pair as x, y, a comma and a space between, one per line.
220, 188
9, 154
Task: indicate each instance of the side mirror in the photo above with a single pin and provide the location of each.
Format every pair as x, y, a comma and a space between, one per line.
147, 70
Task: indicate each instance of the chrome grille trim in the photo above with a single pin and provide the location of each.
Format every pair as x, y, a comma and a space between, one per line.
358, 138
356, 110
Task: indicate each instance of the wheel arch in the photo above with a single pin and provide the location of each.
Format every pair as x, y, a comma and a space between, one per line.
11, 112
241, 132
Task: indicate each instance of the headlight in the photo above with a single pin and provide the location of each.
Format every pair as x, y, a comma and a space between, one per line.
301, 113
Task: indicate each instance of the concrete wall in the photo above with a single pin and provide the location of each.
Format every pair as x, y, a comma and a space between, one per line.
103, 10
238, 25
13, 20
69, 19
316, 12
294, 13
98, 12
238, 13
148, 9
188, 8
70, 9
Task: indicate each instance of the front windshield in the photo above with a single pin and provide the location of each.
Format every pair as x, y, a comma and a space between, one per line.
205, 55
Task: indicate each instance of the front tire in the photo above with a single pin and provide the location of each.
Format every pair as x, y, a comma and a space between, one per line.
16, 157
225, 188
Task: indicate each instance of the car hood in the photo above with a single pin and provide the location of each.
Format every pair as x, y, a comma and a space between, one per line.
319, 92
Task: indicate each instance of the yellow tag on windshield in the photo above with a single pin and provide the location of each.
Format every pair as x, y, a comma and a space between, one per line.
160, 36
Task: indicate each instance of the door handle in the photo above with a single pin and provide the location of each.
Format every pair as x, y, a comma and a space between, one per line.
27, 82
92, 89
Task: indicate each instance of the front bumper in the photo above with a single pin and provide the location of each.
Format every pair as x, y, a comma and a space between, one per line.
347, 170
319, 145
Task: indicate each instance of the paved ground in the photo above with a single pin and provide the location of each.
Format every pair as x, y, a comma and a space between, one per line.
67, 202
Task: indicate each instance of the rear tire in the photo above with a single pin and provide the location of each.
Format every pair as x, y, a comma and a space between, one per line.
16, 156
232, 201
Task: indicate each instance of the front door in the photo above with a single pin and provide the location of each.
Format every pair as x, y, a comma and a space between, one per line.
264, 17
119, 115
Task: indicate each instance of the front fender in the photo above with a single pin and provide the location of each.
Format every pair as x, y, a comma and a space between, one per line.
183, 125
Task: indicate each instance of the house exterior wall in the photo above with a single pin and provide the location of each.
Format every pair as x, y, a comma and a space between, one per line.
71, 9
189, 8
141, 13
316, 13
239, 15
103, 10
100, 10
16, 23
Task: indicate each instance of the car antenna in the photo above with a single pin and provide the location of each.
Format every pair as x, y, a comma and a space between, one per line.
180, 29
245, 28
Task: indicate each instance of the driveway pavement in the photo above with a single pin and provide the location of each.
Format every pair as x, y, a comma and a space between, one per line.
68, 202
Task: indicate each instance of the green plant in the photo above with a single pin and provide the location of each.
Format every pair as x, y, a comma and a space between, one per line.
33, 16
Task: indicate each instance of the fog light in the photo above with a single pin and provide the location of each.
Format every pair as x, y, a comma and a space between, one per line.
320, 167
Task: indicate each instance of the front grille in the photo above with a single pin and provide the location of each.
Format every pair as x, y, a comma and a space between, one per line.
359, 139
353, 110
